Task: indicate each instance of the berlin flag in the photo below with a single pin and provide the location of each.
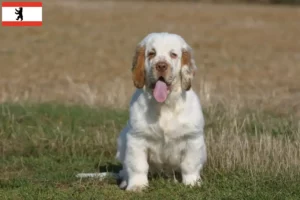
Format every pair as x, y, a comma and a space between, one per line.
22, 14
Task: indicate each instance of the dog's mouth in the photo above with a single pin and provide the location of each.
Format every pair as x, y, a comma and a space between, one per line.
161, 89
162, 79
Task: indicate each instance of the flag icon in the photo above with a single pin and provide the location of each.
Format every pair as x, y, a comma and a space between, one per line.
22, 14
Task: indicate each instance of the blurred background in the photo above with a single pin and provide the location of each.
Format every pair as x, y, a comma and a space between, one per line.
247, 51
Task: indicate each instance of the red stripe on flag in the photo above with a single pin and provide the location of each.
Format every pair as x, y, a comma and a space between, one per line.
22, 23
22, 4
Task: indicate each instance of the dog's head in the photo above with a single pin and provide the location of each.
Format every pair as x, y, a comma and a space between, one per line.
163, 62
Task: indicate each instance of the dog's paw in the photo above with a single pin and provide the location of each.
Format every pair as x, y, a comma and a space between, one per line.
136, 188
192, 180
137, 182
197, 183
123, 184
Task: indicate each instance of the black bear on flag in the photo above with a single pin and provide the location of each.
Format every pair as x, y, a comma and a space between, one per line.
19, 13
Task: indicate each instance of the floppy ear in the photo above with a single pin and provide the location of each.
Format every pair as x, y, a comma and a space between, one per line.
188, 68
138, 67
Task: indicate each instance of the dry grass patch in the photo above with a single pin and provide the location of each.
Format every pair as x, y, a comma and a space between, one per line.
246, 54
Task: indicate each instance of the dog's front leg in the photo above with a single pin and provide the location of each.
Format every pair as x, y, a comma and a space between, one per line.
136, 164
193, 161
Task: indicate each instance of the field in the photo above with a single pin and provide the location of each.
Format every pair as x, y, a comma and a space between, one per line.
65, 89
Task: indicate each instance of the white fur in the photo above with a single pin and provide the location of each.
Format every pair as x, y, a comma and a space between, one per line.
162, 136
165, 135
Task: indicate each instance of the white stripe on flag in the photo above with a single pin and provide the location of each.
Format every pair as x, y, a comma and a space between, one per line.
29, 14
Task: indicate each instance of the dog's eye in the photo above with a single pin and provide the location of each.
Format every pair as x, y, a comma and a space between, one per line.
173, 55
151, 54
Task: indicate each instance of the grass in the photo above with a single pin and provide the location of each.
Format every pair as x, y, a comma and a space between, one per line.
43, 147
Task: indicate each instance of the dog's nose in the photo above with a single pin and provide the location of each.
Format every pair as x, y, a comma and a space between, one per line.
161, 66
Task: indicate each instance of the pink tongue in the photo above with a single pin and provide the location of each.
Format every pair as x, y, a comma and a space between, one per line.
160, 91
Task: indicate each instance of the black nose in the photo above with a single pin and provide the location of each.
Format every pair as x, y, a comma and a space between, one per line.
161, 66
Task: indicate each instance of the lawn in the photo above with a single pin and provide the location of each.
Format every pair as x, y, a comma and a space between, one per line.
44, 146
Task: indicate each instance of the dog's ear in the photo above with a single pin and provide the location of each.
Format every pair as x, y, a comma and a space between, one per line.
188, 68
138, 67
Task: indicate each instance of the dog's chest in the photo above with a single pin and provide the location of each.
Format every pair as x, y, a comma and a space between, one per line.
165, 154
167, 140
169, 124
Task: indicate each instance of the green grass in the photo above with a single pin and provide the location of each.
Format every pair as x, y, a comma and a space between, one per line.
43, 147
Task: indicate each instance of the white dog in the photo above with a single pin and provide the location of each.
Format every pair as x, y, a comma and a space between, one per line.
165, 128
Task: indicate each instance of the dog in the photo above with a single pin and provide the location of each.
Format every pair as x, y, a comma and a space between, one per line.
165, 130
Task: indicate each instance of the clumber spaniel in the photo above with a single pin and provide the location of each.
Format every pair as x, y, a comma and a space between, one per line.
165, 128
